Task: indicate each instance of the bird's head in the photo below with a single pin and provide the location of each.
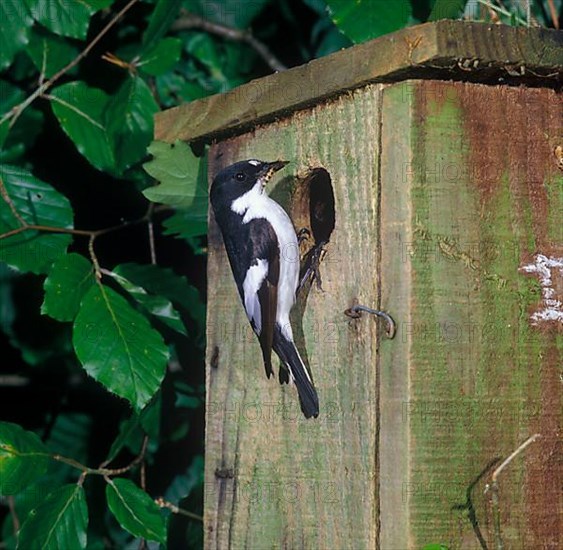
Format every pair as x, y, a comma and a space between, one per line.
239, 178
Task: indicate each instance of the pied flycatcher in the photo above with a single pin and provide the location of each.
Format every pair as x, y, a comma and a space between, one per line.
263, 251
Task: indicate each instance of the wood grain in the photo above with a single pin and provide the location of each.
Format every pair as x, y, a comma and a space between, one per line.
300, 483
448, 200
443, 50
471, 193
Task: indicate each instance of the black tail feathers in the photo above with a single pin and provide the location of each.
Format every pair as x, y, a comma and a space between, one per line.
287, 352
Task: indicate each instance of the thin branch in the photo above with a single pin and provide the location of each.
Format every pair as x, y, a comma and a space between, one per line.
73, 463
94, 258
102, 471
45, 229
143, 476
16, 111
80, 232
502, 11
15, 519
165, 504
494, 488
528, 9
192, 21
137, 460
150, 227
10, 203
528, 441
553, 13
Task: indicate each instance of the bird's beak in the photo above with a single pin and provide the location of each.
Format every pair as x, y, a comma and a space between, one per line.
270, 168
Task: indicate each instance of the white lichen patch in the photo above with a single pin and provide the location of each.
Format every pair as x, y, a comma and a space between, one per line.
550, 273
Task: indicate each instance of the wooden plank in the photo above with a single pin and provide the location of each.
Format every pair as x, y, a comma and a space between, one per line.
274, 479
396, 275
446, 50
471, 197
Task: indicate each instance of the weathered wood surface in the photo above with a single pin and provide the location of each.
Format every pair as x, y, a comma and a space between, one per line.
469, 197
274, 479
448, 213
471, 194
442, 50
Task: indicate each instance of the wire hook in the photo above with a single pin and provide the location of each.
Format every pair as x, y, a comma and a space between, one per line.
355, 313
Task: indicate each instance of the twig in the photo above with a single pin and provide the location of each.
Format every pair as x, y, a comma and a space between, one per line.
192, 21
16, 111
80, 232
553, 13
94, 259
150, 227
528, 10
14, 514
92, 234
10, 203
165, 504
45, 229
143, 476
502, 11
494, 488
528, 441
137, 460
102, 471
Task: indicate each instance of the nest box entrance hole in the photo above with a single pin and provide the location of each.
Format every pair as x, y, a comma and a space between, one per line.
313, 206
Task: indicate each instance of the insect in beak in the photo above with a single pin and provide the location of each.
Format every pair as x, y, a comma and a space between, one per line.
270, 169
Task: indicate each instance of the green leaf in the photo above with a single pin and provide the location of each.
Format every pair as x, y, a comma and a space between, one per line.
129, 119
180, 173
164, 282
80, 111
10, 96
165, 12
363, 20
14, 141
206, 49
187, 397
59, 522
7, 306
182, 485
446, 9
69, 279
23, 458
39, 204
117, 346
133, 429
70, 436
135, 510
69, 18
162, 57
15, 22
158, 306
435, 547
173, 88
128, 430
187, 224
227, 12
50, 52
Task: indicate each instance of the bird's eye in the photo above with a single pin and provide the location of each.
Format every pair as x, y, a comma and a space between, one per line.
240, 176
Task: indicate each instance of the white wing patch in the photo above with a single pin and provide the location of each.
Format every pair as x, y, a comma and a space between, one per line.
254, 162
252, 282
257, 205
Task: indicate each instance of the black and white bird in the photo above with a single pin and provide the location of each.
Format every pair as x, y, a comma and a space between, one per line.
263, 251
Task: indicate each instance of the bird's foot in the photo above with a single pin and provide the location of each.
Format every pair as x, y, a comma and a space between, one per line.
311, 267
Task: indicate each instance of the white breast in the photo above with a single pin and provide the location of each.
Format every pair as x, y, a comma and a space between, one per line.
257, 205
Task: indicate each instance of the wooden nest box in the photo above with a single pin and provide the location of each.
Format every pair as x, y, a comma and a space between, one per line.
438, 153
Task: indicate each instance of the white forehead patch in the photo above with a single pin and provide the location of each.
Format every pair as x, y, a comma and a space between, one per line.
254, 162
